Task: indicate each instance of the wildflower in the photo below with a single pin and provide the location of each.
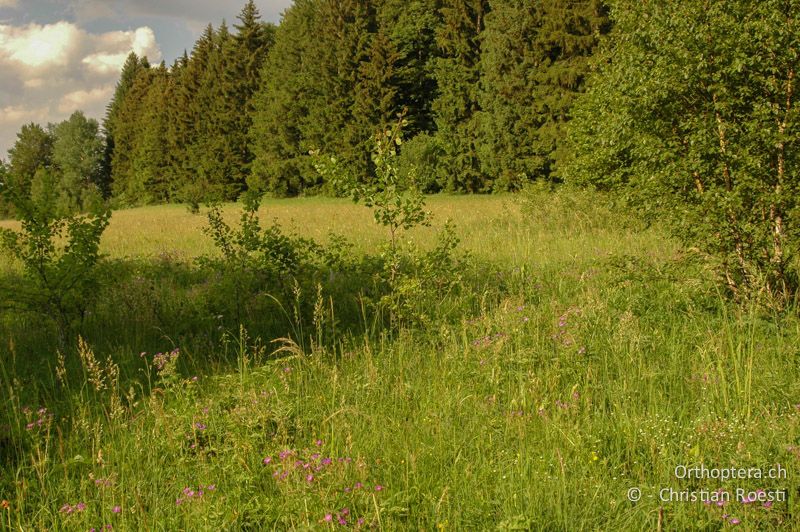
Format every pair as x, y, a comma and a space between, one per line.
328, 518
287, 369
267, 460
211, 487
200, 426
348, 489
5, 505
360, 521
326, 461
378, 487
342, 521
767, 504
178, 501
284, 454
318, 443
734, 521
80, 507
310, 478
358, 485
66, 509
345, 511
116, 509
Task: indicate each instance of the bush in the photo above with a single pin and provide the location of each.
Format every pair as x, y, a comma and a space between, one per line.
59, 256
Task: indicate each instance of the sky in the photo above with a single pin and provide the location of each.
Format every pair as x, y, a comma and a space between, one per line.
59, 56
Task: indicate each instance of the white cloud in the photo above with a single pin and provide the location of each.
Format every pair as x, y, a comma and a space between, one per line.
38, 46
83, 99
49, 71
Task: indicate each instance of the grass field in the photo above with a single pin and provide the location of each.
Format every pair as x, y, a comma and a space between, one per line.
585, 358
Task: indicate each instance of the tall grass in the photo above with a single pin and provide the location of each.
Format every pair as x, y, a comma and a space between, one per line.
589, 356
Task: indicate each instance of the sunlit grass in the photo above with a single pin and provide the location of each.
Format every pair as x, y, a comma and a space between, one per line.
598, 357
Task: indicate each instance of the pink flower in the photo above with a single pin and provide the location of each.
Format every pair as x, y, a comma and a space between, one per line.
318, 443
116, 509
267, 460
80, 507
328, 518
378, 487
310, 478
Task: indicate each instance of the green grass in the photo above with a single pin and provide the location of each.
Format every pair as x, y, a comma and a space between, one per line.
587, 356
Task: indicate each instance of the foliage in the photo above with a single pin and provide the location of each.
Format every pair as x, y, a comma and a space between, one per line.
78, 160
396, 200
693, 116
32, 150
58, 255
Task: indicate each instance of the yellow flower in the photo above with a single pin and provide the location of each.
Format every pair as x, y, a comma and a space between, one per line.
595, 457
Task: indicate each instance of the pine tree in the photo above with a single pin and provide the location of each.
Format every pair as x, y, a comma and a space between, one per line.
456, 108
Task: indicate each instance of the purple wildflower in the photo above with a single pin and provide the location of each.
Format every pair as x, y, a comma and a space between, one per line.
116, 509
267, 460
378, 487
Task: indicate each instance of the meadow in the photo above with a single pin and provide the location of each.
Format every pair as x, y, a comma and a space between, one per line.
580, 356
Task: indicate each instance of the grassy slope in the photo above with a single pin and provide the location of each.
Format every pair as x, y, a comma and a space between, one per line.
606, 360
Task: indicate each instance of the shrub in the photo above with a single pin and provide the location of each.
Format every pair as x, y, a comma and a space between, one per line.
59, 256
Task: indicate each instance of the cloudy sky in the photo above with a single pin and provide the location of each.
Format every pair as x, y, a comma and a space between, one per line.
57, 56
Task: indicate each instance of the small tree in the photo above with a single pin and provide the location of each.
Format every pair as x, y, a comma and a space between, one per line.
396, 200
58, 255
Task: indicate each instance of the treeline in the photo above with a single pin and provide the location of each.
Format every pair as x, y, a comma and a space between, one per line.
485, 85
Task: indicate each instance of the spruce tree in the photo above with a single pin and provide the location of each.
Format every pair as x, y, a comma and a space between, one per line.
534, 60
189, 113
411, 26
280, 164
307, 100
456, 107
125, 185
130, 71
149, 182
